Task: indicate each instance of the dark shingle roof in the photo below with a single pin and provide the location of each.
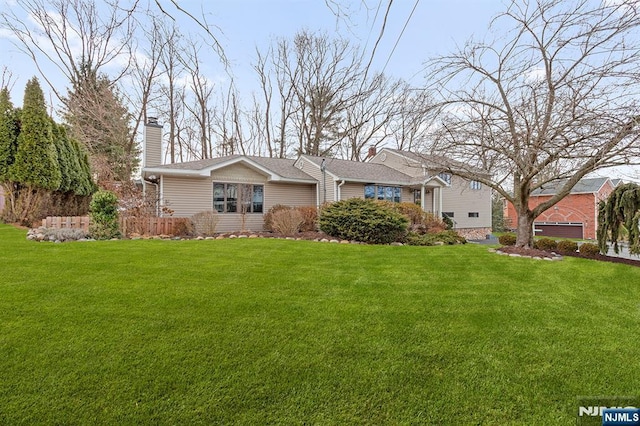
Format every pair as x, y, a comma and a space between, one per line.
361, 172
584, 186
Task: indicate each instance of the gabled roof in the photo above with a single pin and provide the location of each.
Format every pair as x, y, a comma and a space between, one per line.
278, 169
584, 186
355, 171
434, 162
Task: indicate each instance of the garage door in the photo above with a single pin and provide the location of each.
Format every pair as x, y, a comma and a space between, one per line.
559, 229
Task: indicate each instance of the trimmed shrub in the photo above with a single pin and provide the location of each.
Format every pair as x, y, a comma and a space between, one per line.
287, 221
268, 217
309, 218
445, 237
507, 239
104, 216
567, 246
205, 222
590, 250
545, 244
363, 220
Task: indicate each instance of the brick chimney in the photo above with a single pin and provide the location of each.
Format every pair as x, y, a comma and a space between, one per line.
152, 143
372, 152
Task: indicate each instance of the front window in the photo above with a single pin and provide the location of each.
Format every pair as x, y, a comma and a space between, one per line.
228, 197
383, 193
445, 177
475, 185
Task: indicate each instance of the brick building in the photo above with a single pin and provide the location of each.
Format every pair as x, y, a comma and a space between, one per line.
575, 216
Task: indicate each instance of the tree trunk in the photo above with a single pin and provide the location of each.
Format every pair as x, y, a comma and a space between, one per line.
524, 233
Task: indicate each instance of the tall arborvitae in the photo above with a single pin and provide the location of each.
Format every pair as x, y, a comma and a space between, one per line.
8, 134
36, 161
620, 211
72, 197
36, 167
9, 128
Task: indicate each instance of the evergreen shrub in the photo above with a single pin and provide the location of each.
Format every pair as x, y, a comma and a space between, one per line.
567, 246
103, 211
546, 244
363, 220
589, 249
507, 239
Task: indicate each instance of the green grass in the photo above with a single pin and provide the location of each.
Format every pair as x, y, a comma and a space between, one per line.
294, 332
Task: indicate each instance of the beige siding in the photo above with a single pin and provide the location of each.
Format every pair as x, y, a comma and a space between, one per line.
314, 171
407, 195
289, 194
152, 146
238, 173
461, 199
187, 196
398, 162
351, 190
232, 222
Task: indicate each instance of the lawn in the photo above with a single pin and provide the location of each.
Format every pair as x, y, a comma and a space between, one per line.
259, 331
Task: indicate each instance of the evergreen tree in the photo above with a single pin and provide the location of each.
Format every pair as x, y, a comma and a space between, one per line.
98, 119
9, 128
35, 168
620, 213
36, 160
8, 134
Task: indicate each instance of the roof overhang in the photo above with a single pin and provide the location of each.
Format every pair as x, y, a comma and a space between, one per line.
206, 171
430, 181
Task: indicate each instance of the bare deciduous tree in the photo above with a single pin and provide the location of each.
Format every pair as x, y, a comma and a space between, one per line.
552, 100
72, 35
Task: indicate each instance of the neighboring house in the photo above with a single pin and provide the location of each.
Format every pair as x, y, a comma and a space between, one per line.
242, 188
575, 216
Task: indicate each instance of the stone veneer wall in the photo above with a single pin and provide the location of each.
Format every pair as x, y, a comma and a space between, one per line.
474, 233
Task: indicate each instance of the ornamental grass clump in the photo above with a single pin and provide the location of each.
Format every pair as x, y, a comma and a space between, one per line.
364, 221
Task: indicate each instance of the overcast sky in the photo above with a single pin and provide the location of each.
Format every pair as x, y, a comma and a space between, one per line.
435, 27
431, 27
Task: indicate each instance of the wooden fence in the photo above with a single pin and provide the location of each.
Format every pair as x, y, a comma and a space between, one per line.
128, 225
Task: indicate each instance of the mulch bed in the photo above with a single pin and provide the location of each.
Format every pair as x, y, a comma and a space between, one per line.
542, 253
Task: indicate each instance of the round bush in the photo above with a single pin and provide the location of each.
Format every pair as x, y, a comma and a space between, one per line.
268, 217
507, 240
363, 220
567, 246
589, 249
546, 244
